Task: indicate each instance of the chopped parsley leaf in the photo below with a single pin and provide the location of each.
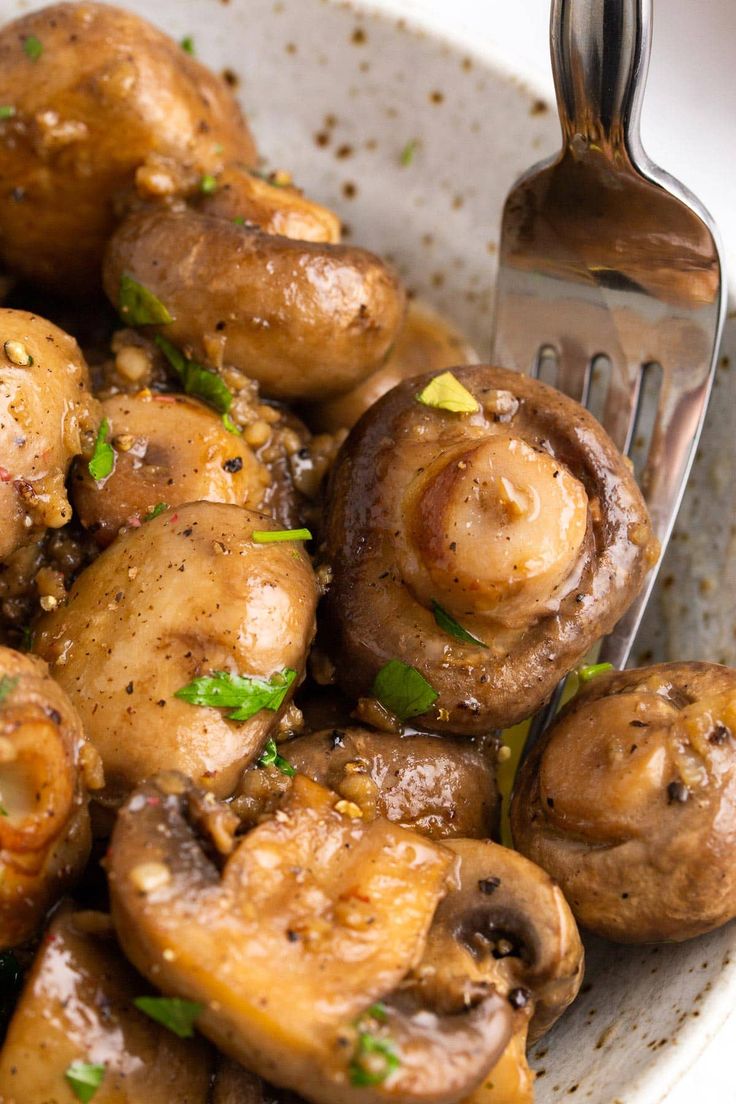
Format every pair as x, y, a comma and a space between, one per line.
448, 624
270, 758
103, 457
173, 1012
374, 1060
7, 686
159, 508
445, 392
230, 425
140, 307
274, 536
197, 380
7, 111
32, 47
208, 184
403, 690
407, 154
243, 695
187, 45
85, 1079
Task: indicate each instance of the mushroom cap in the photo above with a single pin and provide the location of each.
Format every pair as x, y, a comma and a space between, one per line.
424, 504
629, 802
44, 825
315, 916
184, 596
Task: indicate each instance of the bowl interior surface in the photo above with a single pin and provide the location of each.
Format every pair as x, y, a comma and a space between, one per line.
339, 95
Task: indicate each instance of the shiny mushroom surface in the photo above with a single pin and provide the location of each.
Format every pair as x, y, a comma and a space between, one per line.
101, 100
45, 409
77, 1010
306, 319
629, 802
438, 786
187, 596
315, 917
487, 549
169, 449
44, 825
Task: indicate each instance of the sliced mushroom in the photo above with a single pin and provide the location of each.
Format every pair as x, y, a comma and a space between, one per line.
183, 597
629, 802
77, 1008
44, 826
169, 449
427, 342
45, 408
242, 197
315, 916
305, 319
439, 786
517, 523
107, 100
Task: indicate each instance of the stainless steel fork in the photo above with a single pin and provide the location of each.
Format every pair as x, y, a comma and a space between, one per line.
610, 283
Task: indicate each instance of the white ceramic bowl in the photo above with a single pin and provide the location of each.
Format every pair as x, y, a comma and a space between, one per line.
336, 94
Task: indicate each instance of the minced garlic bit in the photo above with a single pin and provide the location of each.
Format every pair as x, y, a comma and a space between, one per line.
349, 809
150, 876
90, 764
47, 602
169, 954
133, 363
504, 753
17, 353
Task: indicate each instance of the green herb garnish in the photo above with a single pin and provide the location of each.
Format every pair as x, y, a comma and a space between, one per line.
274, 536
7, 686
103, 457
374, 1060
187, 45
270, 758
173, 1012
195, 379
449, 625
407, 154
239, 220
592, 670
85, 1079
403, 690
159, 508
208, 184
32, 47
378, 1012
243, 695
7, 111
139, 306
230, 425
445, 392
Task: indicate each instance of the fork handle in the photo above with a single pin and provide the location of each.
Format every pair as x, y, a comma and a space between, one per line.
600, 57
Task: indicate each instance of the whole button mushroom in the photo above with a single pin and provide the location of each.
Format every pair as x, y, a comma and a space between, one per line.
78, 1010
168, 449
98, 99
45, 409
440, 787
483, 533
183, 642
629, 802
306, 319
44, 825
297, 951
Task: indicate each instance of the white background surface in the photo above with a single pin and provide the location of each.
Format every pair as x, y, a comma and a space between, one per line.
689, 127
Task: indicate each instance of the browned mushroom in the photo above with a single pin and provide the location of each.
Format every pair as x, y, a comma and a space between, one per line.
316, 916
45, 407
169, 449
44, 826
98, 96
426, 343
629, 802
188, 608
484, 531
438, 786
305, 319
77, 1010
275, 208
